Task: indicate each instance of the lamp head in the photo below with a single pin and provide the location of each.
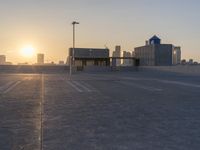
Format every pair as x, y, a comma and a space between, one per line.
74, 22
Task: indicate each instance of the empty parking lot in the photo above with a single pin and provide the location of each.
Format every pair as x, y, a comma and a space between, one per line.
102, 111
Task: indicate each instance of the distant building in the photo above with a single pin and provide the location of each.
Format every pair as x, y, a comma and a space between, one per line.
191, 61
133, 53
40, 59
118, 50
154, 53
127, 62
90, 57
2, 59
183, 62
117, 53
25, 63
61, 62
8, 63
176, 55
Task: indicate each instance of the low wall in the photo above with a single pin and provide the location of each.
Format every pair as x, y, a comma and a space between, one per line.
59, 69
96, 69
33, 69
184, 69
108, 68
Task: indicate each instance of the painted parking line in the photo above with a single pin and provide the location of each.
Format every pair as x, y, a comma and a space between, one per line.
164, 81
75, 86
12, 84
8, 84
81, 86
92, 89
11, 87
179, 83
148, 88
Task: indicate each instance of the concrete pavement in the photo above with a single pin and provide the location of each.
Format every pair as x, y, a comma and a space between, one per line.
103, 111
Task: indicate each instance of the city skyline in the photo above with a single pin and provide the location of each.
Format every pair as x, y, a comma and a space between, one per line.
47, 26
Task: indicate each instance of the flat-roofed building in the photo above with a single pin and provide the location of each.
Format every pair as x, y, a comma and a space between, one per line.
127, 62
90, 56
156, 54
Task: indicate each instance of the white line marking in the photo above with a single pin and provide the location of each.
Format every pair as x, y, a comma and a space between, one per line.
90, 87
141, 86
12, 84
165, 81
132, 78
81, 85
28, 78
6, 85
11, 87
179, 83
75, 86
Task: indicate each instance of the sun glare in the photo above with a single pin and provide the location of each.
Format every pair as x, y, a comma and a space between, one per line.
27, 51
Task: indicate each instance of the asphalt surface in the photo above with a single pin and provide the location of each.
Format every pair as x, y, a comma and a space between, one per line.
102, 111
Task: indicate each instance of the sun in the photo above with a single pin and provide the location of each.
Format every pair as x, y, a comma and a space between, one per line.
27, 51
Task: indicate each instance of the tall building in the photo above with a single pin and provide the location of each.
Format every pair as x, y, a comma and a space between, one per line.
156, 54
40, 59
127, 62
118, 50
2, 59
117, 53
176, 55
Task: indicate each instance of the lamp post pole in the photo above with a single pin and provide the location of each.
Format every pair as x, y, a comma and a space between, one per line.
72, 59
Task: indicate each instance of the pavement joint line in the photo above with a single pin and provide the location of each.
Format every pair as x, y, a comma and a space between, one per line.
82, 85
41, 112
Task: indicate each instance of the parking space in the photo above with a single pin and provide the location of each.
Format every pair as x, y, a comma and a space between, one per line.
119, 111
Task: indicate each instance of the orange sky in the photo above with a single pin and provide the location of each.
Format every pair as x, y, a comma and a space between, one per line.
46, 25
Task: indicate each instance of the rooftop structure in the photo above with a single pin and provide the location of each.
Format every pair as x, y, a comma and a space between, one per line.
90, 57
156, 54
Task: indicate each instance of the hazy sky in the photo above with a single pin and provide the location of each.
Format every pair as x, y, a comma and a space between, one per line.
46, 25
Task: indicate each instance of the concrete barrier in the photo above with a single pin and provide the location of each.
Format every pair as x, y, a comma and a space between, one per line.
61, 69
33, 69
108, 68
183, 69
96, 69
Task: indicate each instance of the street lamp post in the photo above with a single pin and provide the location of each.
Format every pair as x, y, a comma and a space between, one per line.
72, 59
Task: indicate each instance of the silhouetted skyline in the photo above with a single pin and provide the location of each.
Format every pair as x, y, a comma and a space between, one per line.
46, 25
